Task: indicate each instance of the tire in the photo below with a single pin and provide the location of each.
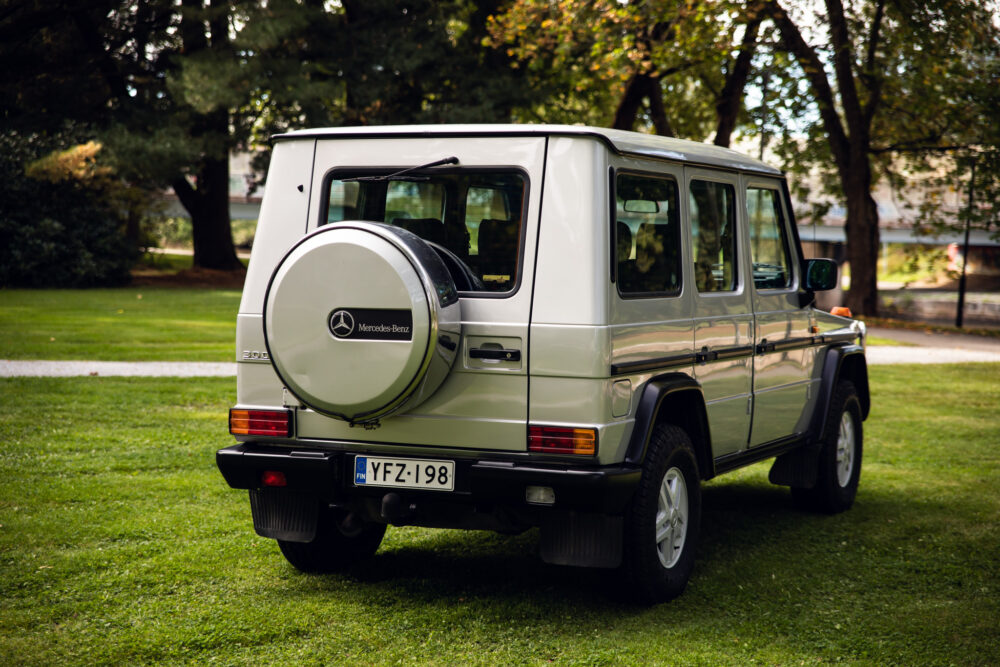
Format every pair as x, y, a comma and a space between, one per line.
334, 548
839, 457
667, 503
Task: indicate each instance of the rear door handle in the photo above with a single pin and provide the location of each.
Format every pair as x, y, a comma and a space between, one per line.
499, 354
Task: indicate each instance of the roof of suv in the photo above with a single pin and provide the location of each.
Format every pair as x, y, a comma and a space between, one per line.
620, 141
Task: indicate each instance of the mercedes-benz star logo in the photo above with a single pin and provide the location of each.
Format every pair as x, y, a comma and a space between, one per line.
341, 323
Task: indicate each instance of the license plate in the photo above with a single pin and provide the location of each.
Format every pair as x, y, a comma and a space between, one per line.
406, 473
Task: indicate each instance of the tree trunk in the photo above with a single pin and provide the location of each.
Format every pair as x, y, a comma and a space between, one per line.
628, 107
861, 229
642, 86
211, 229
850, 147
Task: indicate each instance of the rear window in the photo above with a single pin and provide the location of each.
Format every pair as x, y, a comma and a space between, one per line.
474, 217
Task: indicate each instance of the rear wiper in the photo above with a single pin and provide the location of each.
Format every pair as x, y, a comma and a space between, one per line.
396, 176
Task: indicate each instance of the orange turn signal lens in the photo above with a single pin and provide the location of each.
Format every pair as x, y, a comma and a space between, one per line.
562, 440
842, 311
276, 423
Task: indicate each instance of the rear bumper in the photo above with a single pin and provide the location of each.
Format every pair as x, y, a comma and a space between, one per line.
329, 475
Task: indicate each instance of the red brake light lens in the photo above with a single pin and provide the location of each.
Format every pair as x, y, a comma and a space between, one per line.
562, 440
276, 423
273, 478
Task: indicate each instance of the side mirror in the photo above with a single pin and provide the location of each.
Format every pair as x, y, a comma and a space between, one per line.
821, 274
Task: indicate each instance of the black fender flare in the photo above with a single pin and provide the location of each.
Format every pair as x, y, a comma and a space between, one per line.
840, 361
674, 398
798, 467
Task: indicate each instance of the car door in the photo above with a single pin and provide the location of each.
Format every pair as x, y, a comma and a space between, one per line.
483, 402
784, 353
723, 319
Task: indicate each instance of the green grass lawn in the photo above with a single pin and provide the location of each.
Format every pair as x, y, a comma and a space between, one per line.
120, 543
122, 324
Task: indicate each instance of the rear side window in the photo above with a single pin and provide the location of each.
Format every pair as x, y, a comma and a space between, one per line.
647, 235
472, 218
768, 240
713, 232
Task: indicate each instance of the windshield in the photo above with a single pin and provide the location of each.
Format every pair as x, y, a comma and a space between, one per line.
473, 218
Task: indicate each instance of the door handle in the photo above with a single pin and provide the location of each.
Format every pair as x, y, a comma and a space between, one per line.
706, 355
496, 353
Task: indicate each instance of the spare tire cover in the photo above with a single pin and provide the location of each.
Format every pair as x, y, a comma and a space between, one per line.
361, 320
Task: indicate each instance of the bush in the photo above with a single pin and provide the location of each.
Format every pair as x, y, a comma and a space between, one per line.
57, 232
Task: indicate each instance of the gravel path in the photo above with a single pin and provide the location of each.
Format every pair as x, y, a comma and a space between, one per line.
115, 368
895, 354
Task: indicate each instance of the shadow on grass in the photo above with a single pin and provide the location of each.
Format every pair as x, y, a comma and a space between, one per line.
741, 523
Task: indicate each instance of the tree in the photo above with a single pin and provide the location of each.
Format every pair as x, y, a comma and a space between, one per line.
61, 216
877, 83
172, 87
679, 67
118, 70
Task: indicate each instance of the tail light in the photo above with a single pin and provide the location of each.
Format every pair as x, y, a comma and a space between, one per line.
277, 423
562, 440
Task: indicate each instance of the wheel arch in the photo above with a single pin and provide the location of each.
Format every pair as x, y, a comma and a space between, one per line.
672, 398
841, 362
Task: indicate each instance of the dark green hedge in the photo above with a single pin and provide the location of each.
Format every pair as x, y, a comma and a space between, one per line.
56, 234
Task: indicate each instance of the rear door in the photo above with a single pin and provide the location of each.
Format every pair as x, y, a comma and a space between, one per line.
484, 211
723, 318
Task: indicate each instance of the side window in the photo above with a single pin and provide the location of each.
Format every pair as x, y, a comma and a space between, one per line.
647, 235
768, 240
713, 232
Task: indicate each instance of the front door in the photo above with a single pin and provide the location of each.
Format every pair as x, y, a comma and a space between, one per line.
784, 343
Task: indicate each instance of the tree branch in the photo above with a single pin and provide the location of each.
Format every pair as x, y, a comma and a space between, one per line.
656, 110
729, 101
872, 81
795, 44
840, 39
189, 197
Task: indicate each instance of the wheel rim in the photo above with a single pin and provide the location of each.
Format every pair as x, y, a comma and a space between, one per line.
671, 518
845, 449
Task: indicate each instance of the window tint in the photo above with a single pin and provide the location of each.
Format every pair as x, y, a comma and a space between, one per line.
473, 216
713, 231
413, 200
768, 240
647, 235
483, 204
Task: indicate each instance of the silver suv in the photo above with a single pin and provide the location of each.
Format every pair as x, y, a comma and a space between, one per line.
506, 327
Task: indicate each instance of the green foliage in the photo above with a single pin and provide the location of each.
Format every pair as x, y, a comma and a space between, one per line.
585, 53
909, 263
59, 228
130, 324
929, 79
121, 543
